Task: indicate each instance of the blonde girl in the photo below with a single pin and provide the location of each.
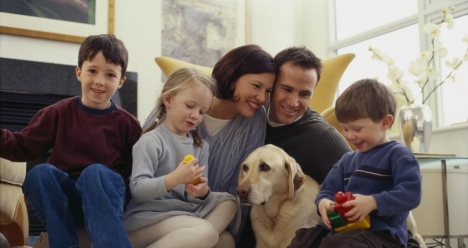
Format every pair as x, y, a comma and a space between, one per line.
166, 209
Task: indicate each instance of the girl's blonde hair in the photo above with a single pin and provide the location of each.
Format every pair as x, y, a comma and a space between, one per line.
182, 79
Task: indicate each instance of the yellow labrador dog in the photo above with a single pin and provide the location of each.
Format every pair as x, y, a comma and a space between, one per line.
281, 195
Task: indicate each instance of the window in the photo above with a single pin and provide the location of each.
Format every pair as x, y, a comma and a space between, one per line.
394, 27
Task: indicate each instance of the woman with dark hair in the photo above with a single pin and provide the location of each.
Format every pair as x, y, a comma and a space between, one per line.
236, 123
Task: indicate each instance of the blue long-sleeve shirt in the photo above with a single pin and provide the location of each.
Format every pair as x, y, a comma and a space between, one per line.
390, 173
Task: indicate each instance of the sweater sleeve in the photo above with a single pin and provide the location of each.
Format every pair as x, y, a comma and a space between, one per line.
257, 132
328, 149
333, 182
143, 185
406, 194
203, 159
31, 142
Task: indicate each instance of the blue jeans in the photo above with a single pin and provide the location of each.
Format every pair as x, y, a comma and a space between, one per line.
95, 201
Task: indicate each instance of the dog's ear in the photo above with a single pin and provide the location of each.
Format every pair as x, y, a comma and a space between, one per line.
299, 178
295, 175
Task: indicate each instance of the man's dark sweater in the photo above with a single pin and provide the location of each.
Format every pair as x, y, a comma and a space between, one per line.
312, 142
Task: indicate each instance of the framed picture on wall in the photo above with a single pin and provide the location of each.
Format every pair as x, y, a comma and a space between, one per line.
202, 31
60, 20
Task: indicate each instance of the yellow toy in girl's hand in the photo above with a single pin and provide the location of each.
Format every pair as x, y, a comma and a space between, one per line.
188, 158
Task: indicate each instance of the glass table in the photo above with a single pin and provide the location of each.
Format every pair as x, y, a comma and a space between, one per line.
438, 172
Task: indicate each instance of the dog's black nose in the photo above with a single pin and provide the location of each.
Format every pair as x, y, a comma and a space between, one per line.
243, 190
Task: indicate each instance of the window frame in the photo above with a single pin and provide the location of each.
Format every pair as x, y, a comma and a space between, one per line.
427, 11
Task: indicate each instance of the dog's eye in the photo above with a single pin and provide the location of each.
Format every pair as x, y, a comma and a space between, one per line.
264, 167
245, 168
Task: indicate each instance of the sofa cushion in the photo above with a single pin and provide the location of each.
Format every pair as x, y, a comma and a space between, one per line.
12, 172
12, 196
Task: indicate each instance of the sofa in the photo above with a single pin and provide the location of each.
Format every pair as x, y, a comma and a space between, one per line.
14, 224
324, 95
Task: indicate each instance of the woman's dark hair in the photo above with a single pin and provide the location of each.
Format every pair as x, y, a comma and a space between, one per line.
248, 59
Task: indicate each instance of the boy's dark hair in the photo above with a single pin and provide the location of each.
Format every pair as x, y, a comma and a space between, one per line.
366, 98
300, 56
112, 48
248, 59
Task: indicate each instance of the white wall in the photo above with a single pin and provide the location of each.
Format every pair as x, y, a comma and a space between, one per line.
278, 24
137, 25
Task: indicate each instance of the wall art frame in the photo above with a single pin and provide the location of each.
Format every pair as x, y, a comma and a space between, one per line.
52, 29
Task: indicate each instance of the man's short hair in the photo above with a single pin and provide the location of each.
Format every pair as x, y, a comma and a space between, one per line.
299, 56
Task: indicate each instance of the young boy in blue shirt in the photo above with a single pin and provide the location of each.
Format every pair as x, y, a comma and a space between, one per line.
382, 175
84, 182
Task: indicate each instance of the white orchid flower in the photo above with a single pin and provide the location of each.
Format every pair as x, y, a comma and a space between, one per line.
395, 87
465, 39
453, 77
431, 29
422, 68
440, 49
432, 73
376, 54
394, 74
427, 55
452, 64
417, 67
449, 21
422, 78
389, 61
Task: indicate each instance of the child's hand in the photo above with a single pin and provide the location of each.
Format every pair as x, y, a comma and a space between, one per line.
184, 174
324, 206
200, 190
362, 206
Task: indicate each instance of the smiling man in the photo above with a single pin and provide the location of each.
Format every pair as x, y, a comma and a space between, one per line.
292, 124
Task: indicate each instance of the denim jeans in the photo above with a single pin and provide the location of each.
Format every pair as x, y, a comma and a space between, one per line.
95, 200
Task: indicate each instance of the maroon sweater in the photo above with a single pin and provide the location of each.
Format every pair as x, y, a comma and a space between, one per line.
78, 136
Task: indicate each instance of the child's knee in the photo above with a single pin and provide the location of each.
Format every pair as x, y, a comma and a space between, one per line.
207, 233
40, 173
98, 172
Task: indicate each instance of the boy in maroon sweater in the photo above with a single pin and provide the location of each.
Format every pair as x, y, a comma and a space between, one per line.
83, 183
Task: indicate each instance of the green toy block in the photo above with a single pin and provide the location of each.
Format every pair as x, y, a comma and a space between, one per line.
336, 219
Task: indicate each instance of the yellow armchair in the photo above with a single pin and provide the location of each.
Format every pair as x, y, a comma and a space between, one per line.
333, 69
329, 115
14, 223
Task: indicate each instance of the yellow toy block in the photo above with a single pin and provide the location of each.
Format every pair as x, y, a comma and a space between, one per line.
364, 224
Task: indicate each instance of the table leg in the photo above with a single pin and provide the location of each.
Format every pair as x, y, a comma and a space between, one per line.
445, 204
460, 243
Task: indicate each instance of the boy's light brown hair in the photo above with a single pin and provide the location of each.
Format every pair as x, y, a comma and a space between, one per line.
366, 98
